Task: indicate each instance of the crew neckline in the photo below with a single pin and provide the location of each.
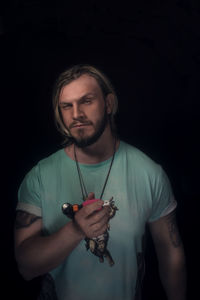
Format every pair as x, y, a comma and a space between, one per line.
95, 164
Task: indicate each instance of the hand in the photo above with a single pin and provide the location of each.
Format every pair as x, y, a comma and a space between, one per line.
91, 221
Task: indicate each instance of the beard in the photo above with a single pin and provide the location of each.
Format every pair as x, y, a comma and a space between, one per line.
82, 142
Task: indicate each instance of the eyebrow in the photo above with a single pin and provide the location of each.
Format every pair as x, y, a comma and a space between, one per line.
78, 100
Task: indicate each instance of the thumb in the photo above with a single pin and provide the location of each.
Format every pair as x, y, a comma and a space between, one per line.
91, 196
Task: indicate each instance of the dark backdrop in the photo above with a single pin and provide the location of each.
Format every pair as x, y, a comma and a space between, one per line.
151, 52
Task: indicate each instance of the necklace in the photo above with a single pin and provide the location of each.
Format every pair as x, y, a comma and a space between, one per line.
82, 184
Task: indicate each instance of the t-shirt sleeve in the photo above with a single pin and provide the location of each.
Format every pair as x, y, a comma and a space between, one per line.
163, 197
29, 193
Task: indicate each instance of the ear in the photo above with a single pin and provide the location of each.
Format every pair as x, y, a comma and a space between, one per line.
109, 103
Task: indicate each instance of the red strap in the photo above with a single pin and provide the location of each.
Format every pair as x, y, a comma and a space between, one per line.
86, 202
90, 201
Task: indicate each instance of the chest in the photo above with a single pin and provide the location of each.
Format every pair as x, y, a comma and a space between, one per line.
131, 200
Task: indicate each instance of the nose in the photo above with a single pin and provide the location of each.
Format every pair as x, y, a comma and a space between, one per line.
77, 112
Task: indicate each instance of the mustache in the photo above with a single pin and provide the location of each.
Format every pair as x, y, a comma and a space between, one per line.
77, 122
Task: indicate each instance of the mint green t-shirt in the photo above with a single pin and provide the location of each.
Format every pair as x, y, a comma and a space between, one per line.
142, 193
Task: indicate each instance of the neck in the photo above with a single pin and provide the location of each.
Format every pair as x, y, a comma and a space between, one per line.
99, 151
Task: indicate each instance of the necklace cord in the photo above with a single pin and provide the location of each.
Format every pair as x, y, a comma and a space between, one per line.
83, 188
82, 184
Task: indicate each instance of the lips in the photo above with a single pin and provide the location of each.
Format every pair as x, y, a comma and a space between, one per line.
79, 125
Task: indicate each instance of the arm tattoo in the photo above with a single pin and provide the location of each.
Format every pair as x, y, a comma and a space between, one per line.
173, 230
24, 219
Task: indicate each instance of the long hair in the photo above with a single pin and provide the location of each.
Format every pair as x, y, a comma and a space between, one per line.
68, 76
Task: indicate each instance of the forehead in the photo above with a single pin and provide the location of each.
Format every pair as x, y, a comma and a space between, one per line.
79, 87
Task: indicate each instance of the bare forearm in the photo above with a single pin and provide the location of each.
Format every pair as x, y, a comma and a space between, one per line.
173, 277
171, 257
38, 255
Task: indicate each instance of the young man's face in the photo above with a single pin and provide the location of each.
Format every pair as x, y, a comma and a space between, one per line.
84, 110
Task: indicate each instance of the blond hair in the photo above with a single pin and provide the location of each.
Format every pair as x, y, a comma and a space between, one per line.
74, 73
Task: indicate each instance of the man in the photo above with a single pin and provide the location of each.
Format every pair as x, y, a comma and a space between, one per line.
95, 164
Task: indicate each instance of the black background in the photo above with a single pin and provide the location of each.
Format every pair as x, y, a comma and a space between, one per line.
151, 52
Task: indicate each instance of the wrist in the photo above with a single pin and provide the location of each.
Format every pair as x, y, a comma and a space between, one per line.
77, 230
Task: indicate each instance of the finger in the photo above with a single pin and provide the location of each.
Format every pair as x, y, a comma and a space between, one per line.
88, 210
107, 209
100, 216
93, 207
98, 229
91, 196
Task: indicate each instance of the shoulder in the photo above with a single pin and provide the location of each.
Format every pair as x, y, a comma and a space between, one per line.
46, 165
52, 159
139, 160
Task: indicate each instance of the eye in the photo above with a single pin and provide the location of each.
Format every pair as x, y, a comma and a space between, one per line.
65, 106
87, 100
